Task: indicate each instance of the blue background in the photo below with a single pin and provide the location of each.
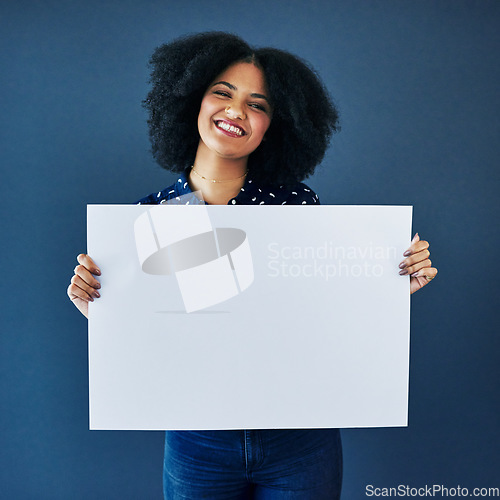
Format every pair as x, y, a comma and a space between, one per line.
417, 85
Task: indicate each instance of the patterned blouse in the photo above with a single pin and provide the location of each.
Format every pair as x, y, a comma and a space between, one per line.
250, 194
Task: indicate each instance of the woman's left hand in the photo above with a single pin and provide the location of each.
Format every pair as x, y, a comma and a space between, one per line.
417, 264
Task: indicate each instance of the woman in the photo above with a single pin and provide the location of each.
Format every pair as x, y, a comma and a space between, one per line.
243, 126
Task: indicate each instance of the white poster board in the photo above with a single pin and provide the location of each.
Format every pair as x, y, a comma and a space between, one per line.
248, 317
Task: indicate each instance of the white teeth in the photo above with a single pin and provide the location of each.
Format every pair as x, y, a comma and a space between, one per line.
230, 128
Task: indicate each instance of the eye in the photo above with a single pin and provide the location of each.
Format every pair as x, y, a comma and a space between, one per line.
258, 106
222, 93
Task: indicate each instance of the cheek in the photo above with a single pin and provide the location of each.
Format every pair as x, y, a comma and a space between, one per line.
261, 127
204, 116
205, 108
210, 104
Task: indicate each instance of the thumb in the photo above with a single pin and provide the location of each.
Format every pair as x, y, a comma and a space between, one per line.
415, 238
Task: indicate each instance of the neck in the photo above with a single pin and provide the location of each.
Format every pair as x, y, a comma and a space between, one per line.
228, 174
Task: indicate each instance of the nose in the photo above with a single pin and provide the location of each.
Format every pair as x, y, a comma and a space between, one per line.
235, 111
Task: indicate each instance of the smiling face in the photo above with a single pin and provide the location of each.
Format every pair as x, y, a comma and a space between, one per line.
235, 112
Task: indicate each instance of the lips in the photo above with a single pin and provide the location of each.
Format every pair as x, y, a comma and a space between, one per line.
229, 128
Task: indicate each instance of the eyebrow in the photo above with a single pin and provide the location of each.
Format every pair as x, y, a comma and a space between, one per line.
232, 87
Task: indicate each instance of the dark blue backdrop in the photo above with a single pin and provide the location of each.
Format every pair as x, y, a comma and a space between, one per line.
417, 85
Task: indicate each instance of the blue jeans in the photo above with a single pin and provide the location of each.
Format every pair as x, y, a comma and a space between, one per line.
296, 464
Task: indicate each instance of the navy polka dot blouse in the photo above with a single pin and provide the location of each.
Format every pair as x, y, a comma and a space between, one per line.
250, 194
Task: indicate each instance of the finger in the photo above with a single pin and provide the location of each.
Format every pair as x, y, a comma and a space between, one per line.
414, 258
415, 267
76, 280
428, 272
415, 239
86, 276
418, 246
87, 262
75, 292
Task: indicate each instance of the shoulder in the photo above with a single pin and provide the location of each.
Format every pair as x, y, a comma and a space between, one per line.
301, 194
179, 188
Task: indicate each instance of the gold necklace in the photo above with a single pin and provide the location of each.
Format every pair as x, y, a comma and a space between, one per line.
215, 180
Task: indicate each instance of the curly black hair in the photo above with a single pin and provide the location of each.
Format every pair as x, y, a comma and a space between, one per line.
304, 116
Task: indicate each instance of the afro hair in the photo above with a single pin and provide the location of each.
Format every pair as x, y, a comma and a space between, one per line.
304, 116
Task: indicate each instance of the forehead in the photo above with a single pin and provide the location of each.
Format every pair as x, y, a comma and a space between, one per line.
245, 76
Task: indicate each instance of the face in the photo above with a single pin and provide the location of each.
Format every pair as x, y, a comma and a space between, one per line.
235, 112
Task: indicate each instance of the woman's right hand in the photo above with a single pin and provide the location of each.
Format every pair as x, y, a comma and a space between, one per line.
83, 287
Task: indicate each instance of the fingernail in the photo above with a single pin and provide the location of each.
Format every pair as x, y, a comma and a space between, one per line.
414, 275
408, 252
97, 285
97, 294
415, 238
96, 271
404, 272
402, 265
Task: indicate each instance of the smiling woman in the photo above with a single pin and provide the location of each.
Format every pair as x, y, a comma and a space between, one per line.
243, 126
189, 70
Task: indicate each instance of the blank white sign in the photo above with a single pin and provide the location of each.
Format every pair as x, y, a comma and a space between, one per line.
309, 329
